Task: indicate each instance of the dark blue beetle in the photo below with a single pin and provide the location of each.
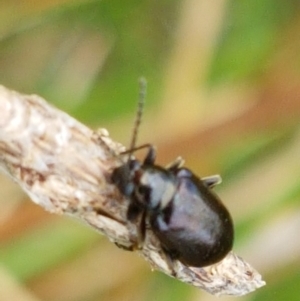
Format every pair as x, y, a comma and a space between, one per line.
187, 217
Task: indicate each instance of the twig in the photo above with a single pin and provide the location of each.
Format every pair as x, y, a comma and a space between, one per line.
65, 168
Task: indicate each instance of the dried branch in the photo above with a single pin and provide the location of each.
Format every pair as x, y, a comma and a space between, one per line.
65, 168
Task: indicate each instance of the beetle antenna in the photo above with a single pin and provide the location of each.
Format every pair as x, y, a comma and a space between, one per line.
139, 113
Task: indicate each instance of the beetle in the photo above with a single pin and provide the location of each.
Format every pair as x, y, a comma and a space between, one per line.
187, 217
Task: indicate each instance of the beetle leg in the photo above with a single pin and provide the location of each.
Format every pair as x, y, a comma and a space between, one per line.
212, 181
125, 248
151, 155
177, 163
170, 259
136, 216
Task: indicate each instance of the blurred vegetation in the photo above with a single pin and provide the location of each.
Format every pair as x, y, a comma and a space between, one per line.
224, 93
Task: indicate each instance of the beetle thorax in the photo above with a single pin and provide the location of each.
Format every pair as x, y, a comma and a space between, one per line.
161, 186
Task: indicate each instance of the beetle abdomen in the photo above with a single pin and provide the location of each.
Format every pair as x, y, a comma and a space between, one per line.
196, 227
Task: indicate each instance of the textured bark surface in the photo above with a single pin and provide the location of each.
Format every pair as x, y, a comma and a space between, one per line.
65, 167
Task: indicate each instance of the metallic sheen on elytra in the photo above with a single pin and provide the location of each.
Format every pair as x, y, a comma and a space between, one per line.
187, 217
